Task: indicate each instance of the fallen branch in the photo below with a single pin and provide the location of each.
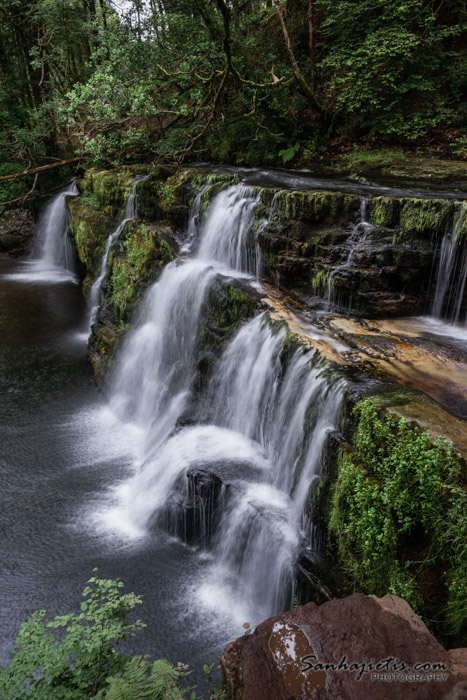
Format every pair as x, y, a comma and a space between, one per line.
39, 169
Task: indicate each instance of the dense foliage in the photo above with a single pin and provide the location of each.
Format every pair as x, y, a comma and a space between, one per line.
230, 80
74, 656
399, 518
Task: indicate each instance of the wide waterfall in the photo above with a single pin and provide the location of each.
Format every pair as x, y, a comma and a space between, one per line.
449, 296
54, 243
131, 212
262, 420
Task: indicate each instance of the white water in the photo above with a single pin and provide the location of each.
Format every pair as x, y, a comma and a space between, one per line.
227, 235
54, 256
267, 417
449, 293
131, 212
357, 240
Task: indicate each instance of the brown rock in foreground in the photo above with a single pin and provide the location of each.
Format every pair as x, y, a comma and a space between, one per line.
286, 656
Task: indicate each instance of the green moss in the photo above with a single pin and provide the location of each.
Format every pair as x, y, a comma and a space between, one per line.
224, 309
314, 207
425, 216
90, 199
382, 211
398, 517
90, 228
460, 219
109, 186
145, 253
372, 159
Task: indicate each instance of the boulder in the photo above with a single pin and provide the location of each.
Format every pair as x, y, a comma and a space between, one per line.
360, 647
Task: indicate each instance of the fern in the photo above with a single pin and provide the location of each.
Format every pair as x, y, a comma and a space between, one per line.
142, 681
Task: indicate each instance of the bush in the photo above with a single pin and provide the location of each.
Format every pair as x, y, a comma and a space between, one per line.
73, 656
398, 497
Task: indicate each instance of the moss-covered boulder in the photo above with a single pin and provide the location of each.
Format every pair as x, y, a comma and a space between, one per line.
109, 188
139, 256
226, 306
91, 223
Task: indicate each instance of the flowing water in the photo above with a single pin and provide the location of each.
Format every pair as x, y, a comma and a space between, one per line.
449, 294
61, 448
106, 482
53, 258
264, 430
357, 239
95, 294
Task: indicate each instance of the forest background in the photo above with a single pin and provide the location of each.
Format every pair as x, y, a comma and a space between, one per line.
108, 82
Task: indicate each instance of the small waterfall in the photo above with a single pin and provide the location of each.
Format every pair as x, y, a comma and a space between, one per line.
449, 294
194, 219
357, 241
153, 376
55, 247
95, 294
262, 422
227, 235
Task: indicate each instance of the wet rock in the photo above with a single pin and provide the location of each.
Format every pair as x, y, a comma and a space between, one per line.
459, 692
196, 506
280, 659
194, 511
8, 242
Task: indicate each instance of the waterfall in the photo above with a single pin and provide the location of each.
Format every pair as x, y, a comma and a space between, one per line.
95, 294
56, 249
261, 421
356, 240
154, 373
449, 294
227, 235
288, 412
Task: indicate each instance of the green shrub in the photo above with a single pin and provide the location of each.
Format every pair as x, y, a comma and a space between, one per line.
398, 494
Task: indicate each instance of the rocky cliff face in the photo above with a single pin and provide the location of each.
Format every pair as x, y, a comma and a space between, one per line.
370, 257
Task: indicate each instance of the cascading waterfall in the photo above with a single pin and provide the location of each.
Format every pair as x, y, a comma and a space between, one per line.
95, 294
289, 414
55, 247
227, 235
269, 413
153, 376
449, 296
357, 239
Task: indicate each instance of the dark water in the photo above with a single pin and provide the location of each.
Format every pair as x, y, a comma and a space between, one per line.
315, 180
59, 453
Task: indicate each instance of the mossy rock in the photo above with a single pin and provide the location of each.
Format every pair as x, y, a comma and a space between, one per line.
102, 346
90, 228
318, 208
143, 251
109, 186
460, 219
226, 306
396, 514
425, 216
383, 211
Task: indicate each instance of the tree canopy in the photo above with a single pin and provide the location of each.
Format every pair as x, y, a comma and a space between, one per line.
241, 81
